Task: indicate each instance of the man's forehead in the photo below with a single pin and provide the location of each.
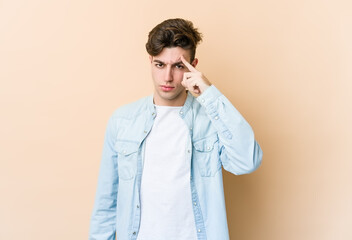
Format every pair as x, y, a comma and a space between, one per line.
167, 61
172, 55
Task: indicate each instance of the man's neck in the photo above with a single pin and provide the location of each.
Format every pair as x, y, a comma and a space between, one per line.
157, 100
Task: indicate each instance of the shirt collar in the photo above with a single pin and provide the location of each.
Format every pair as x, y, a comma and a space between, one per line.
183, 111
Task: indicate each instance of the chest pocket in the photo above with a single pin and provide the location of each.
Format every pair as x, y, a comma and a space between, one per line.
206, 155
127, 156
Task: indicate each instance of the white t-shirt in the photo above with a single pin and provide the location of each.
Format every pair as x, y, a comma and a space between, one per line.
166, 203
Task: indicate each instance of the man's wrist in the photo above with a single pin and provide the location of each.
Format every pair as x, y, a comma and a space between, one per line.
209, 95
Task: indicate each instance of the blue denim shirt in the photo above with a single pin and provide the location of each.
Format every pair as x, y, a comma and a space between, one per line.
220, 137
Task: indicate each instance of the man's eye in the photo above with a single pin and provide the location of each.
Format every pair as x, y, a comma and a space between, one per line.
159, 65
179, 66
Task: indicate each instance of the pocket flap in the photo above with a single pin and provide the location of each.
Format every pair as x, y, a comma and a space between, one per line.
126, 147
206, 144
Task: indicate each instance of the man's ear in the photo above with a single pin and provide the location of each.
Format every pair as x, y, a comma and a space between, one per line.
195, 62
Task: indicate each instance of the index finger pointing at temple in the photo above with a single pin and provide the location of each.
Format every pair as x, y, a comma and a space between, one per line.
188, 65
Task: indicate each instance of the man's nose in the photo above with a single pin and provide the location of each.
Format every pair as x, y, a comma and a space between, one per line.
168, 74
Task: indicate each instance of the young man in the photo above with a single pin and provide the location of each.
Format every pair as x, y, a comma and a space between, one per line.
160, 175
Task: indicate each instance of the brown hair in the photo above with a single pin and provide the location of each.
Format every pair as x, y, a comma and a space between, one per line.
173, 33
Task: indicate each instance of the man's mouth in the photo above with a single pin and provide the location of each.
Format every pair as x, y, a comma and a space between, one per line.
166, 88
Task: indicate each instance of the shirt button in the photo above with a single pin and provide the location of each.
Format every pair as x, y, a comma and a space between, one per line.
208, 148
202, 100
137, 206
198, 230
134, 233
145, 131
181, 113
124, 151
195, 204
189, 151
216, 118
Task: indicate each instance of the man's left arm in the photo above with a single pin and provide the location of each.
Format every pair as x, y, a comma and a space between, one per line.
240, 153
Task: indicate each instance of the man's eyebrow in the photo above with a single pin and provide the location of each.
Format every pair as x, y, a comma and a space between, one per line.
174, 64
177, 63
158, 61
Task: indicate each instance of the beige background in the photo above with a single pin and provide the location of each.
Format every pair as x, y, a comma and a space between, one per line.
286, 65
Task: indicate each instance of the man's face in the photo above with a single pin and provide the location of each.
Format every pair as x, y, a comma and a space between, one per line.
167, 72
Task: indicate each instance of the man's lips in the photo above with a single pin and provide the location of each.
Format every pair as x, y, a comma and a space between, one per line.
166, 88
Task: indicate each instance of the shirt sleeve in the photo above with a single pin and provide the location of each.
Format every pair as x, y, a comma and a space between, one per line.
239, 151
103, 219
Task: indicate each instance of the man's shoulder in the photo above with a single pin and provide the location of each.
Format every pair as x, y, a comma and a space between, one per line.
132, 109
